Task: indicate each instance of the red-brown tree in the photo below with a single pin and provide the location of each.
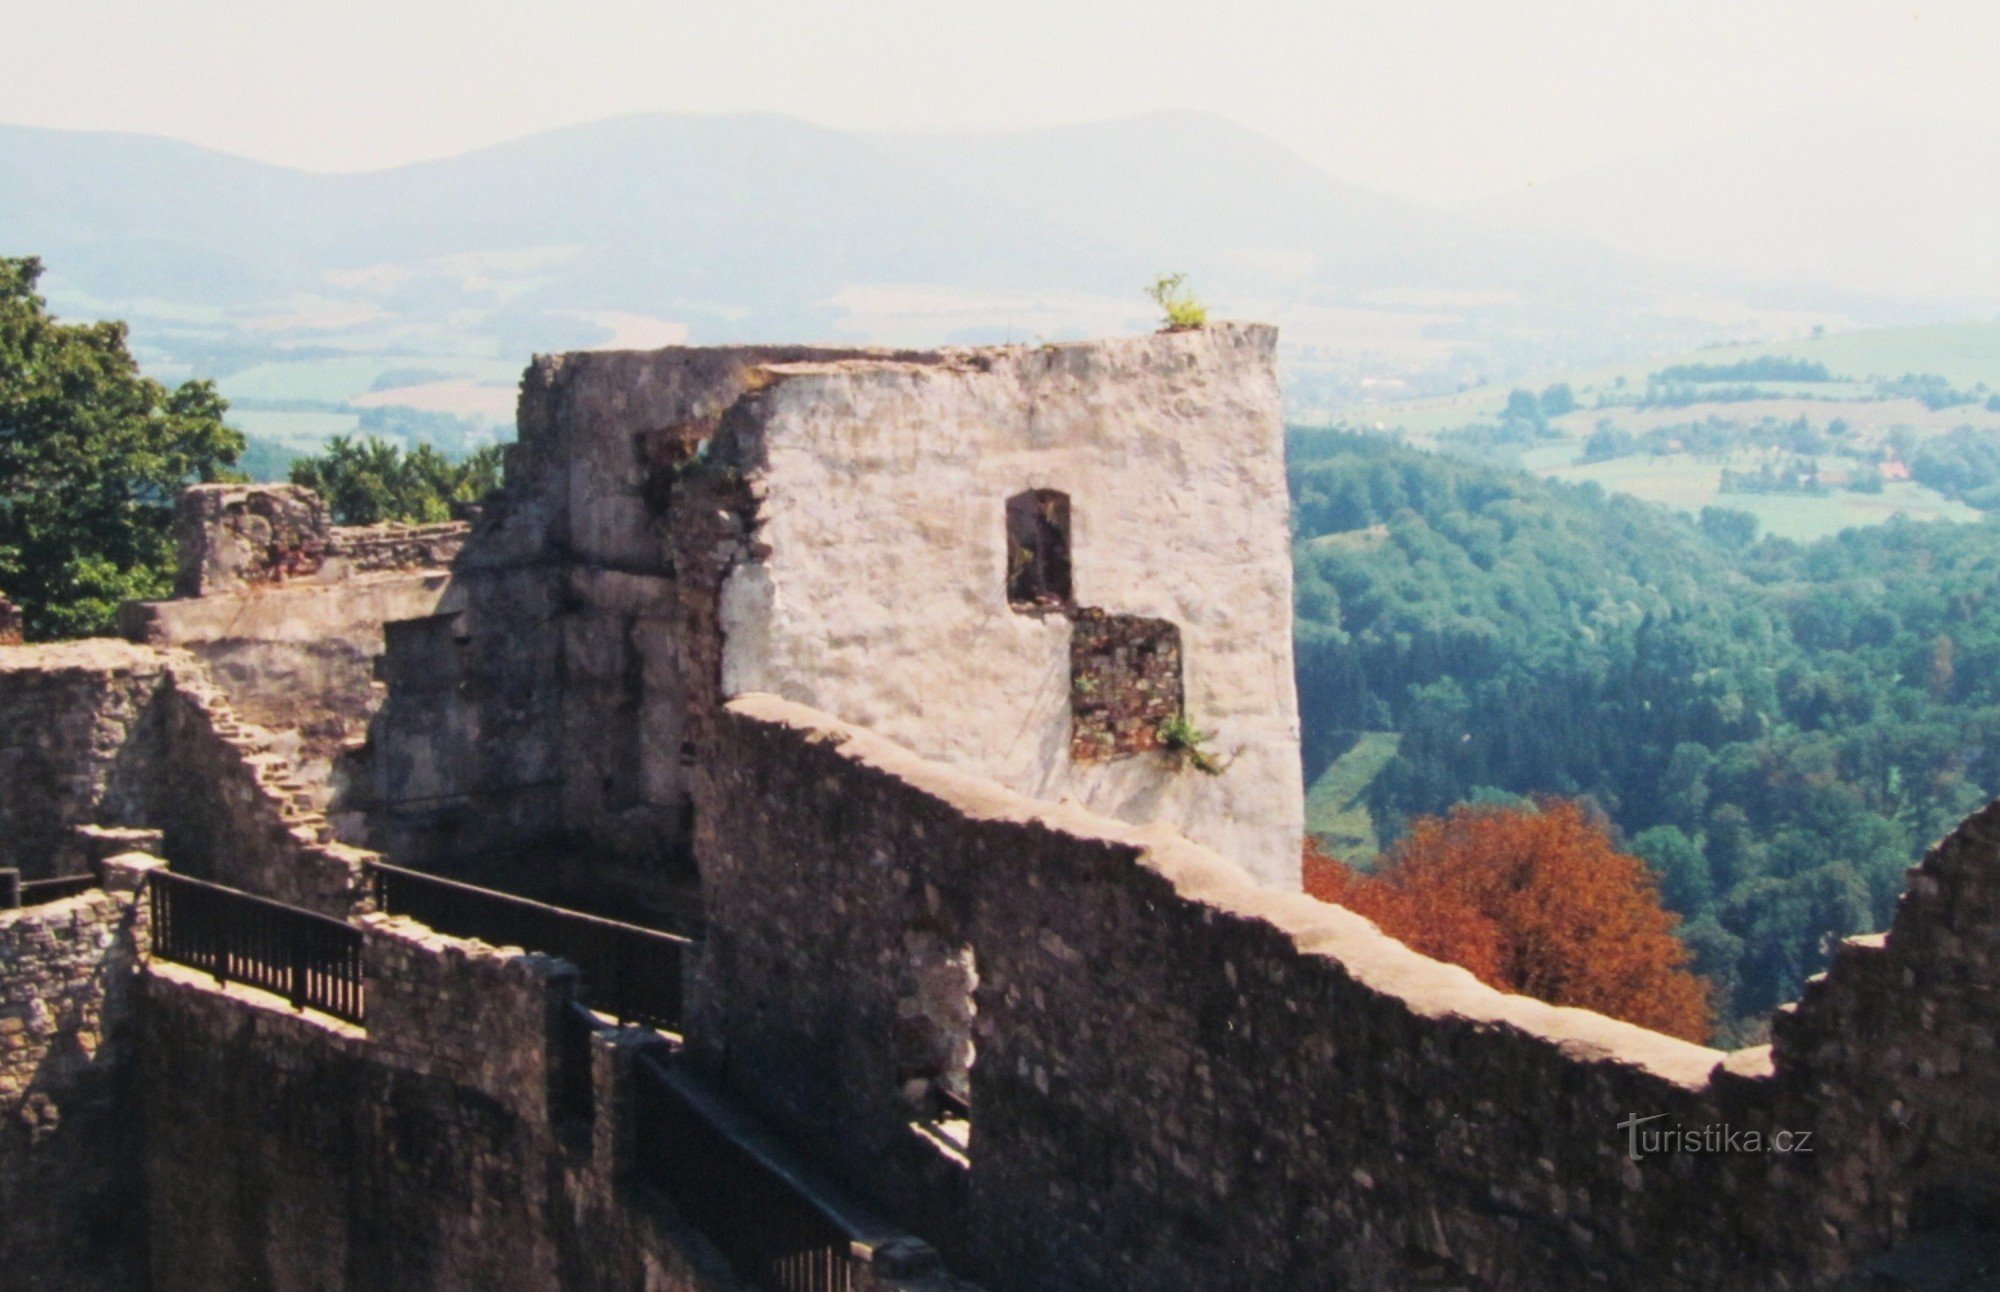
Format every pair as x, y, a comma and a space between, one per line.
1531, 900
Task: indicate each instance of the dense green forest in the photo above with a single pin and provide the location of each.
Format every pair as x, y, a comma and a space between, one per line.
1778, 729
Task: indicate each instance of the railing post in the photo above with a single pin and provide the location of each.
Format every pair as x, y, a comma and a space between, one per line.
296, 969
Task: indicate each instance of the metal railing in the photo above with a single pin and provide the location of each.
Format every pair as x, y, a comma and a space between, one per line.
36, 891
629, 972
16, 892
311, 960
766, 1226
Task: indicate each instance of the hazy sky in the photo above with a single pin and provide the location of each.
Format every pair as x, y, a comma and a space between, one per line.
1436, 99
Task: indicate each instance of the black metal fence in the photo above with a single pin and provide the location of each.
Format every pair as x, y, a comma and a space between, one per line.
310, 960
36, 891
769, 1229
630, 972
17, 892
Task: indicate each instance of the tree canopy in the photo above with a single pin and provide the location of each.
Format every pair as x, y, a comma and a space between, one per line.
1776, 728
369, 481
1532, 900
92, 454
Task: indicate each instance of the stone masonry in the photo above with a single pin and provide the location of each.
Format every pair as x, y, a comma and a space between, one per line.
871, 657
69, 1148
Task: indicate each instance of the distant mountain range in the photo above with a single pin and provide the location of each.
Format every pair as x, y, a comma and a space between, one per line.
714, 228
1832, 198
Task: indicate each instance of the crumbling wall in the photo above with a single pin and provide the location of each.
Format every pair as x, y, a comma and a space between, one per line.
230, 805
287, 611
71, 1212
297, 657
70, 715
541, 710
1893, 1051
833, 525
1183, 1080
879, 580
231, 536
108, 733
353, 550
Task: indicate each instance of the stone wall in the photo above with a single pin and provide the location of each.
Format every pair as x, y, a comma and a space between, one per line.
108, 733
876, 582
70, 715
233, 537
367, 549
832, 525
1183, 1080
298, 657
230, 806
288, 612
541, 711
71, 1212
289, 1150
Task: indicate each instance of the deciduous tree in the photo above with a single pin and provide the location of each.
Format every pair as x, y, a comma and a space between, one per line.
1536, 901
92, 454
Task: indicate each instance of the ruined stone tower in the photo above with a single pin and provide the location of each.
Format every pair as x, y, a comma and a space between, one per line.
1044, 565
866, 692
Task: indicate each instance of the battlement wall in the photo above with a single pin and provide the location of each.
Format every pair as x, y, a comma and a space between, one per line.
291, 1149
1185, 1080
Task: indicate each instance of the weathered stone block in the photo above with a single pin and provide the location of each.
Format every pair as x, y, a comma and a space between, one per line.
234, 536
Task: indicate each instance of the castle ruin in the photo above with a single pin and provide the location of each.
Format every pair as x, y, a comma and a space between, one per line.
833, 821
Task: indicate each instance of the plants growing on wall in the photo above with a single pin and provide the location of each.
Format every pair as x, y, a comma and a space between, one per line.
1181, 308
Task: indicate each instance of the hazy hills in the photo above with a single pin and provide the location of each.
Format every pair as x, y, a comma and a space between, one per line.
1834, 198
758, 210
648, 229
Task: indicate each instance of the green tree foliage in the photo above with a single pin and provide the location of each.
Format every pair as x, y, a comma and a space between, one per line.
1767, 367
1524, 412
1775, 728
369, 481
1729, 528
1962, 464
92, 454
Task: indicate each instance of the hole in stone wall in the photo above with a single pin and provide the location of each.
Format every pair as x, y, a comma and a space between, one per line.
934, 1049
1038, 573
1125, 684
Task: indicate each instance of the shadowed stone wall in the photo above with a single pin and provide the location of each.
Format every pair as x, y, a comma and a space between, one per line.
71, 1211
71, 721
1183, 1080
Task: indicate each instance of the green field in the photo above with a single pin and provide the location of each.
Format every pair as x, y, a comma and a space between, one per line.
1336, 811
1690, 484
1965, 354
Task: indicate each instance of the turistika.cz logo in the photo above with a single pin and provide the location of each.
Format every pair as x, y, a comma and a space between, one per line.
1642, 1141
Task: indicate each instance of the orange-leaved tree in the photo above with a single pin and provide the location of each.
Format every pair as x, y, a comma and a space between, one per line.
1531, 900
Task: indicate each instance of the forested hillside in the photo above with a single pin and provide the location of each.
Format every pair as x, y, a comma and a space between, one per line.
1779, 729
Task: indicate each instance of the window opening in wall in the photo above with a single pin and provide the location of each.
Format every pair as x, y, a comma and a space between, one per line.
934, 1051
1038, 573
